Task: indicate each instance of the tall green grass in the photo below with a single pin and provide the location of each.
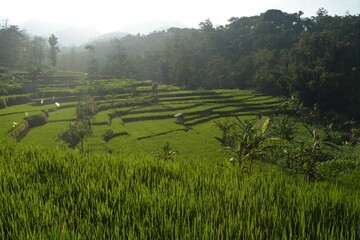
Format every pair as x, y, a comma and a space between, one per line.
57, 194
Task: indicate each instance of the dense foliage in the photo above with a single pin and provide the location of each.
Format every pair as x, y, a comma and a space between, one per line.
17, 49
276, 52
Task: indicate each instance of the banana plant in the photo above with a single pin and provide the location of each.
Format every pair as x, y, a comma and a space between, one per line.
251, 142
166, 153
314, 152
285, 130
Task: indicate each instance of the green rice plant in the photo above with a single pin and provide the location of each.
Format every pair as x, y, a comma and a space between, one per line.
55, 194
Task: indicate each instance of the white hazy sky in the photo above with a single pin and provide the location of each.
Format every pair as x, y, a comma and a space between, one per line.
113, 15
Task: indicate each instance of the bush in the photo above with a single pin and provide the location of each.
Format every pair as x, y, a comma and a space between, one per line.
36, 120
285, 129
335, 168
46, 113
3, 102
19, 131
8, 88
75, 134
108, 135
69, 137
14, 100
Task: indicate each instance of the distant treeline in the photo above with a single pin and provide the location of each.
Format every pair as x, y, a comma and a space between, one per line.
279, 53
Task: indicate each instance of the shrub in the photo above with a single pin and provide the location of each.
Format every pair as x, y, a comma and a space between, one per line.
285, 129
36, 120
227, 129
14, 100
108, 135
46, 113
166, 153
19, 131
246, 140
69, 136
85, 109
305, 156
293, 106
3, 102
75, 134
331, 135
334, 168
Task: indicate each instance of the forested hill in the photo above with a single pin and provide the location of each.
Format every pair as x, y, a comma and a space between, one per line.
279, 53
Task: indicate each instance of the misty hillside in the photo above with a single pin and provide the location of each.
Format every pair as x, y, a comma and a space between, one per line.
66, 33
69, 35
110, 35
146, 27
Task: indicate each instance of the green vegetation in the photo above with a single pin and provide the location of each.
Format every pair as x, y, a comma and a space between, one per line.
52, 194
136, 121
279, 53
139, 174
98, 156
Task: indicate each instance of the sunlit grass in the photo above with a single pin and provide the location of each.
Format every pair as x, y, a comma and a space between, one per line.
120, 190
46, 135
51, 194
65, 114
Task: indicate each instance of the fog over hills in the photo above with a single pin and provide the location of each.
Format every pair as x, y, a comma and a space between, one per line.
69, 35
145, 27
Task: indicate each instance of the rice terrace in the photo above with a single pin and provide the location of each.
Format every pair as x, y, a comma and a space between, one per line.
243, 131
135, 121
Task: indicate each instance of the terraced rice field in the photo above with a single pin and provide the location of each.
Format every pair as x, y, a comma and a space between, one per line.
138, 125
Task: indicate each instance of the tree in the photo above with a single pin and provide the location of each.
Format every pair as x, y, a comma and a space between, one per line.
37, 51
11, 45
276, 52
81, 128
72, 59
92, 64
116, 60
54, 49
206, 25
